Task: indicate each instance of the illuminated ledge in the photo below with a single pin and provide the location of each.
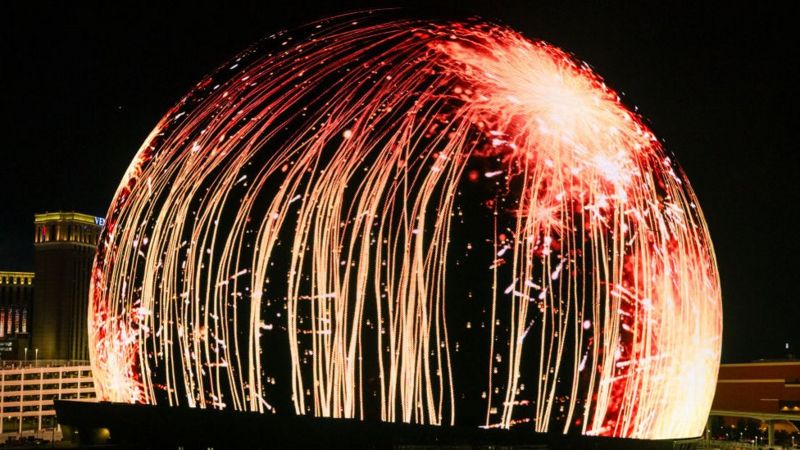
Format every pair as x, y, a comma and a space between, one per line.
762, 363
141, 426
7, 273
754, 380
8, 277
68, 217
788, 415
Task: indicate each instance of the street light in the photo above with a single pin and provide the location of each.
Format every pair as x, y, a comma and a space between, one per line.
26, 353
37, 357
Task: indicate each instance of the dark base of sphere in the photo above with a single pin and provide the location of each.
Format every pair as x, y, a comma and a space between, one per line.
124, 426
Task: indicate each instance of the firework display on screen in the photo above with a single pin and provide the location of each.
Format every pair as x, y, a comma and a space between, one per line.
413, 221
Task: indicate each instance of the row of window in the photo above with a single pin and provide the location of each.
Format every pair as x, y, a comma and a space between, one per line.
28, 386
12, 390
12, 424
5, 409
67, 232
37, 397
13, 320
47, 375
16, 278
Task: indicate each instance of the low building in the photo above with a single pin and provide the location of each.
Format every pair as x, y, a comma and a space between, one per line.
27, 391
765, 391
762, 389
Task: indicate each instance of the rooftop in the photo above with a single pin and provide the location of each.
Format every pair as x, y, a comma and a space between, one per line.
68, 217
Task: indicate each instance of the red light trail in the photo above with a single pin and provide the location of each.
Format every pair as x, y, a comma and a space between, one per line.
364, 222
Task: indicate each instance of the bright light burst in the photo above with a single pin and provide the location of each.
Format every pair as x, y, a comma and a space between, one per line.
422, 222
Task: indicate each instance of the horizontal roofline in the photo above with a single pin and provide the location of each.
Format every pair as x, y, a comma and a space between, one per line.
71, 216
752, 380
781, 415
764, 363
9, 273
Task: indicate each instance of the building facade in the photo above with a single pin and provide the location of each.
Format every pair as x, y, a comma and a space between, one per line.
43, 331
27, 391
765, 391
16, 300
64, 247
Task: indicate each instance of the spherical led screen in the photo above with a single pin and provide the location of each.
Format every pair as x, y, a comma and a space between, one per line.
412, 221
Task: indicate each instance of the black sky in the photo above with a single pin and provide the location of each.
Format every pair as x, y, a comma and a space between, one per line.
82, 84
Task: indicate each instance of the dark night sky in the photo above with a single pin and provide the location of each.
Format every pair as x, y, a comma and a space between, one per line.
83, 85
